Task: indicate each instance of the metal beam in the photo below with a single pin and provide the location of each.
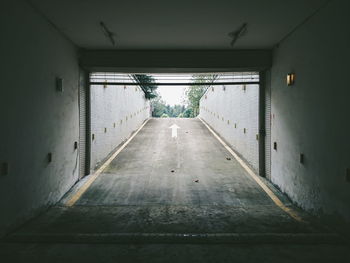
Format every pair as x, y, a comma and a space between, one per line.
175, 61
262, 128
175, 83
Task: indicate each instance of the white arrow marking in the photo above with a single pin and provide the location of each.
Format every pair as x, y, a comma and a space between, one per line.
174, 128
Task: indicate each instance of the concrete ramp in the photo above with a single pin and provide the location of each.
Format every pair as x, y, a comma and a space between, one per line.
183, 189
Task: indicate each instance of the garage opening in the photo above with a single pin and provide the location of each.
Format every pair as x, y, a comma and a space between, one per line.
170, 179
228, 102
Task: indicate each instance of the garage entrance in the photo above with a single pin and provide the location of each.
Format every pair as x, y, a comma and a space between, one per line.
233, 109
174, 179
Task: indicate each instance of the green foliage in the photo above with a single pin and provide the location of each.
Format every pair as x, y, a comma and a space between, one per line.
194, 93
158, 106
162, 110
188, 113
147, 85
150, 95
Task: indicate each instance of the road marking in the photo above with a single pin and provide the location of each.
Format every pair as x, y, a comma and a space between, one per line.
256, 178
174, 128
87, 184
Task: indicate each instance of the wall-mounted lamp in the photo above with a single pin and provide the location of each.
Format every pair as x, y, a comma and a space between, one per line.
290, 79
347, 177
4, 168
49, 157
59, 84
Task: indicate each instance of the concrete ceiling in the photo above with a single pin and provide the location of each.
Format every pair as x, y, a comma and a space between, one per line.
176, 24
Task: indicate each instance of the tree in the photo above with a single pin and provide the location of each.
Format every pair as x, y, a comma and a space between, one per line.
177, 110
194, 93
162, 110
158, 106
147, 86
188, 113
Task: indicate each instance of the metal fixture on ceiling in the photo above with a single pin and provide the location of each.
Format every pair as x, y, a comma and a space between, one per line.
109, 34
235, 35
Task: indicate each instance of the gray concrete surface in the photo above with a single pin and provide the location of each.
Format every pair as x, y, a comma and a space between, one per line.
192, 253
147, 206
142, 173
311, 117
36, 119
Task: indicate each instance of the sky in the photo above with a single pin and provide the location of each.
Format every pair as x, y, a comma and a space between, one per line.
172, 94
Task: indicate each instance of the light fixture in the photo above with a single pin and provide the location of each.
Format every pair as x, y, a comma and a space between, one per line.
4, 168
275, 146
59, 84
49, 157
290, 79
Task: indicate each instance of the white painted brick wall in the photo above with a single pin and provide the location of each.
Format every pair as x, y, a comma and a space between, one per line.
123, 107
223, 108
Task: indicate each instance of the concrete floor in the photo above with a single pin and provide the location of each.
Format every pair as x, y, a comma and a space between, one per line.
170, 200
